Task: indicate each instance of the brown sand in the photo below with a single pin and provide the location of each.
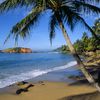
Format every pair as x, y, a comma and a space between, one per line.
51, 91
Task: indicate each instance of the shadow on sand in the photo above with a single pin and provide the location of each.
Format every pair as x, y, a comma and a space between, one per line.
88, 96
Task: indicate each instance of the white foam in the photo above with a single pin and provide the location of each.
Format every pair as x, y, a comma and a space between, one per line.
25, 76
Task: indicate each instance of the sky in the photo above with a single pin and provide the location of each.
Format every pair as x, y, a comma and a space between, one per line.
39, 35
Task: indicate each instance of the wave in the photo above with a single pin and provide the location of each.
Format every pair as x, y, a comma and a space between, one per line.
32, 74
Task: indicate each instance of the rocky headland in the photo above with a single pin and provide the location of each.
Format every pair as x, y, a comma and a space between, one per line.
17, 50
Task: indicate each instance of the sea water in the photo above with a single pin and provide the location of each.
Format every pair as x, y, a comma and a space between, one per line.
15, 67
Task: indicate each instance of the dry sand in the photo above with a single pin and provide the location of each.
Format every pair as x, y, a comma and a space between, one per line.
52, 91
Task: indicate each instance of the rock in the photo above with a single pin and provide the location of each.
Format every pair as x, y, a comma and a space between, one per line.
17, 50
25, 89
19, 91
30, 85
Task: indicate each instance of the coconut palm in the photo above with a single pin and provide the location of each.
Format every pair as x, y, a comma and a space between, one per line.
96, 27
62, 12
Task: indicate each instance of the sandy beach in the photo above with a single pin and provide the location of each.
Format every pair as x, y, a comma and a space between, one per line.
50, 91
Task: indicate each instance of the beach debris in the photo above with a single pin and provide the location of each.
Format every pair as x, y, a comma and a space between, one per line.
25, 89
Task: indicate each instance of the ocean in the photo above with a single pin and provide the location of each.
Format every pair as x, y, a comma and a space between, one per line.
15, 67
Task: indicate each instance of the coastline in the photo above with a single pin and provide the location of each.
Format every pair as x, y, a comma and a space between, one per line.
52, 86
47, 90
50, 89
59, 74
56, 76
55, 87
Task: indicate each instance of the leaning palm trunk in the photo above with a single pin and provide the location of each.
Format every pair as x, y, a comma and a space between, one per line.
78, 59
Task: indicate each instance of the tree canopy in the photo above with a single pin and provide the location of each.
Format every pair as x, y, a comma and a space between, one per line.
85, 43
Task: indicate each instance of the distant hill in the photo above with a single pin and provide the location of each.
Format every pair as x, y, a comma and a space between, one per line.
17, 50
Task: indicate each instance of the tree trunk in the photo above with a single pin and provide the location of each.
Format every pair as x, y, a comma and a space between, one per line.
78, 59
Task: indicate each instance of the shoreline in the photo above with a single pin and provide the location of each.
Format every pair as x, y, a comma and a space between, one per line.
51, 86
47, 90
59, 75
51, 90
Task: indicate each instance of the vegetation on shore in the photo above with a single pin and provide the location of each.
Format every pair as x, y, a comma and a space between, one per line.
85, 44
63, 49
89, 48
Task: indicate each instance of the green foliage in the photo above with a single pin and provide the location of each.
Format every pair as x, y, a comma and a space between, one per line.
96, 27
78, 45
89, 44
63, 49
86, 43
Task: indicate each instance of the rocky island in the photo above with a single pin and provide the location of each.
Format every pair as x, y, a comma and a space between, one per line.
17, 50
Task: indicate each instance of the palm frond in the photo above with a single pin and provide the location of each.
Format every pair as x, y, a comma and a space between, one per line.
86, 7
12, 4
68, 11
52, 25
72, 18
23, 27
92, 1
82, 21
88, 27
68, 16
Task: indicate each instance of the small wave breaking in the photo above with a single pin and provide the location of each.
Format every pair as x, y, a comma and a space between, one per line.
32, 74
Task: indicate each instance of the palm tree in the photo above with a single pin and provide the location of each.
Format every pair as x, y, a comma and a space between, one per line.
96, 27
62, 12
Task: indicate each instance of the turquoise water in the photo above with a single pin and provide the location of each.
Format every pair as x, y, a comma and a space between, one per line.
19, 67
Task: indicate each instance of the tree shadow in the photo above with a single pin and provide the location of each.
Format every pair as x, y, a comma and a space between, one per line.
80, 82
87, 96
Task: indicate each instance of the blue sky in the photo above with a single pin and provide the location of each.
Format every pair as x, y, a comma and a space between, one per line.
39, 38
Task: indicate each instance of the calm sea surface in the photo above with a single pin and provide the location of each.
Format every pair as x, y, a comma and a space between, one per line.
19, 67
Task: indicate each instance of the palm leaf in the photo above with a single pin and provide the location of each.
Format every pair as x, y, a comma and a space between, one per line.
82, 21
22, 28
68, 16
72, 18
52, 25
12, 4
92, 1
86, 7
